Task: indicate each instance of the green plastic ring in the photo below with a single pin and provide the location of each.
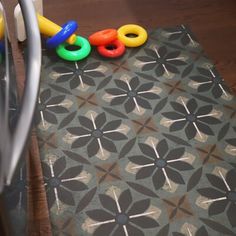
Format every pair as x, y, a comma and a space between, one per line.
76, 55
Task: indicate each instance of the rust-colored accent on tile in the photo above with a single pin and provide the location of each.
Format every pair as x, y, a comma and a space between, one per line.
108, 172
173, 86
89, 100
49, 141
178, 207
210, 154
144, 126
38, 221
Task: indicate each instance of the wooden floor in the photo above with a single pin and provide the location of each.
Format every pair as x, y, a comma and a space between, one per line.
212, 21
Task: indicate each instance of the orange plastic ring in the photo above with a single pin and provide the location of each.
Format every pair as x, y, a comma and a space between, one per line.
114, 49
103, 37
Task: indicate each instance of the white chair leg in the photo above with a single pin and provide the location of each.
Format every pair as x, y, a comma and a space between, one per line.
19, 23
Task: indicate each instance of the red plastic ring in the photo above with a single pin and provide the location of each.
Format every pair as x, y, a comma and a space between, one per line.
103, 37
112, 50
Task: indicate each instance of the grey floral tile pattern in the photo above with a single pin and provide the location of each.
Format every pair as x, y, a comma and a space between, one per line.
193, 119
117, 217
140, 145
209, 80
60, 181
97, 133
221, 194
132, 95
79, 73
49, 106
161, 61
160, 163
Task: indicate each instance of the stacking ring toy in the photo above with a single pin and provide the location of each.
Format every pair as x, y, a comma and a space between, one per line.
77, 55
112, 50
141, 33
67, 30
103, 37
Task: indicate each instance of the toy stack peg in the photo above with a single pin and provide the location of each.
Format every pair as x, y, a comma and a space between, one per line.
49, 28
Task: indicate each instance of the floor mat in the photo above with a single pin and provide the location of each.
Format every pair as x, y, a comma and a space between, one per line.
140, 145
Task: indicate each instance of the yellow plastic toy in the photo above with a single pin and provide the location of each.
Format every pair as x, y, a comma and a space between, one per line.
125, 30
1, 26
49, 28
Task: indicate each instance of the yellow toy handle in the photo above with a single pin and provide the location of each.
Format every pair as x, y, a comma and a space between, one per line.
1, 26
49, 28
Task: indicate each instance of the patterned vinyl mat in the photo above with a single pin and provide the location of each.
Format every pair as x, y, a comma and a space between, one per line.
141, 145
